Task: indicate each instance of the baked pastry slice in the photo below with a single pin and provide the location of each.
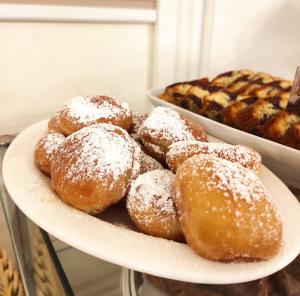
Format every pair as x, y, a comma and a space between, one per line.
245, 100
207, 99
278, 124
281, 84
253, 117
279, 101
215, 102
174, 92
225, 79
240, 83
194, 97
257, 81
292, 137
229, 113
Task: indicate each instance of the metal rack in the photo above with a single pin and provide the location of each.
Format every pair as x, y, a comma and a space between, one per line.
30, 248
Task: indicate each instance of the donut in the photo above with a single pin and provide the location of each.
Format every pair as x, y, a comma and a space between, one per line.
54, 124
180, 151
164, 127
93, 167
44, 150
148, 163
150, 205
83, 111
137, 120
226, 213
155, 151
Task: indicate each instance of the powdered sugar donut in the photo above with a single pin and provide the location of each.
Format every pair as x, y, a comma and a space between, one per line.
180, 151
44, 150
151, 207
54, 124
225, 211
164, 127
148, 163
93, 167
137, 121
83, 111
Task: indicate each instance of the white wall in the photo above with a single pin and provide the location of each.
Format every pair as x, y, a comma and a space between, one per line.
256, 34
43, 64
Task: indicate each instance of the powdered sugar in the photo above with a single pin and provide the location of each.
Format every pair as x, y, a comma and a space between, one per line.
148, 163
50, 142
245, 156
229, 178
167, 124
137, 160
88, 109
54, 123
154, 148
137, 121
99, 152
231, 193
152, 189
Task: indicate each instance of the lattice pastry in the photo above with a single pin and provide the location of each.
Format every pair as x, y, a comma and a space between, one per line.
253, 102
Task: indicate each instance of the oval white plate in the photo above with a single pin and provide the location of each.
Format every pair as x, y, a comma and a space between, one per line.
32, 193
282, 160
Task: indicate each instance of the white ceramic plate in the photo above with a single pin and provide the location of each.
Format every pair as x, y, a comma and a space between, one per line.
282, 160
107, 238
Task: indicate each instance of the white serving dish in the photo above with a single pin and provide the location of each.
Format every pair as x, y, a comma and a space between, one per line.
110, 237
282, 160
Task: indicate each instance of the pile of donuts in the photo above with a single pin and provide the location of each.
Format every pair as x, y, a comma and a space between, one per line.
176, 184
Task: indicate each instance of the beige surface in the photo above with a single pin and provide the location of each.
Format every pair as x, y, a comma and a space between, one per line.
149, 4
255, 34
42, 64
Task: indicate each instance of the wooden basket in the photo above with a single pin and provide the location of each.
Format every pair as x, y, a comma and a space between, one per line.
10, 282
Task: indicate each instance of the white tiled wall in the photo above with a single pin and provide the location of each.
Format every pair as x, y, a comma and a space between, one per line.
42, 64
